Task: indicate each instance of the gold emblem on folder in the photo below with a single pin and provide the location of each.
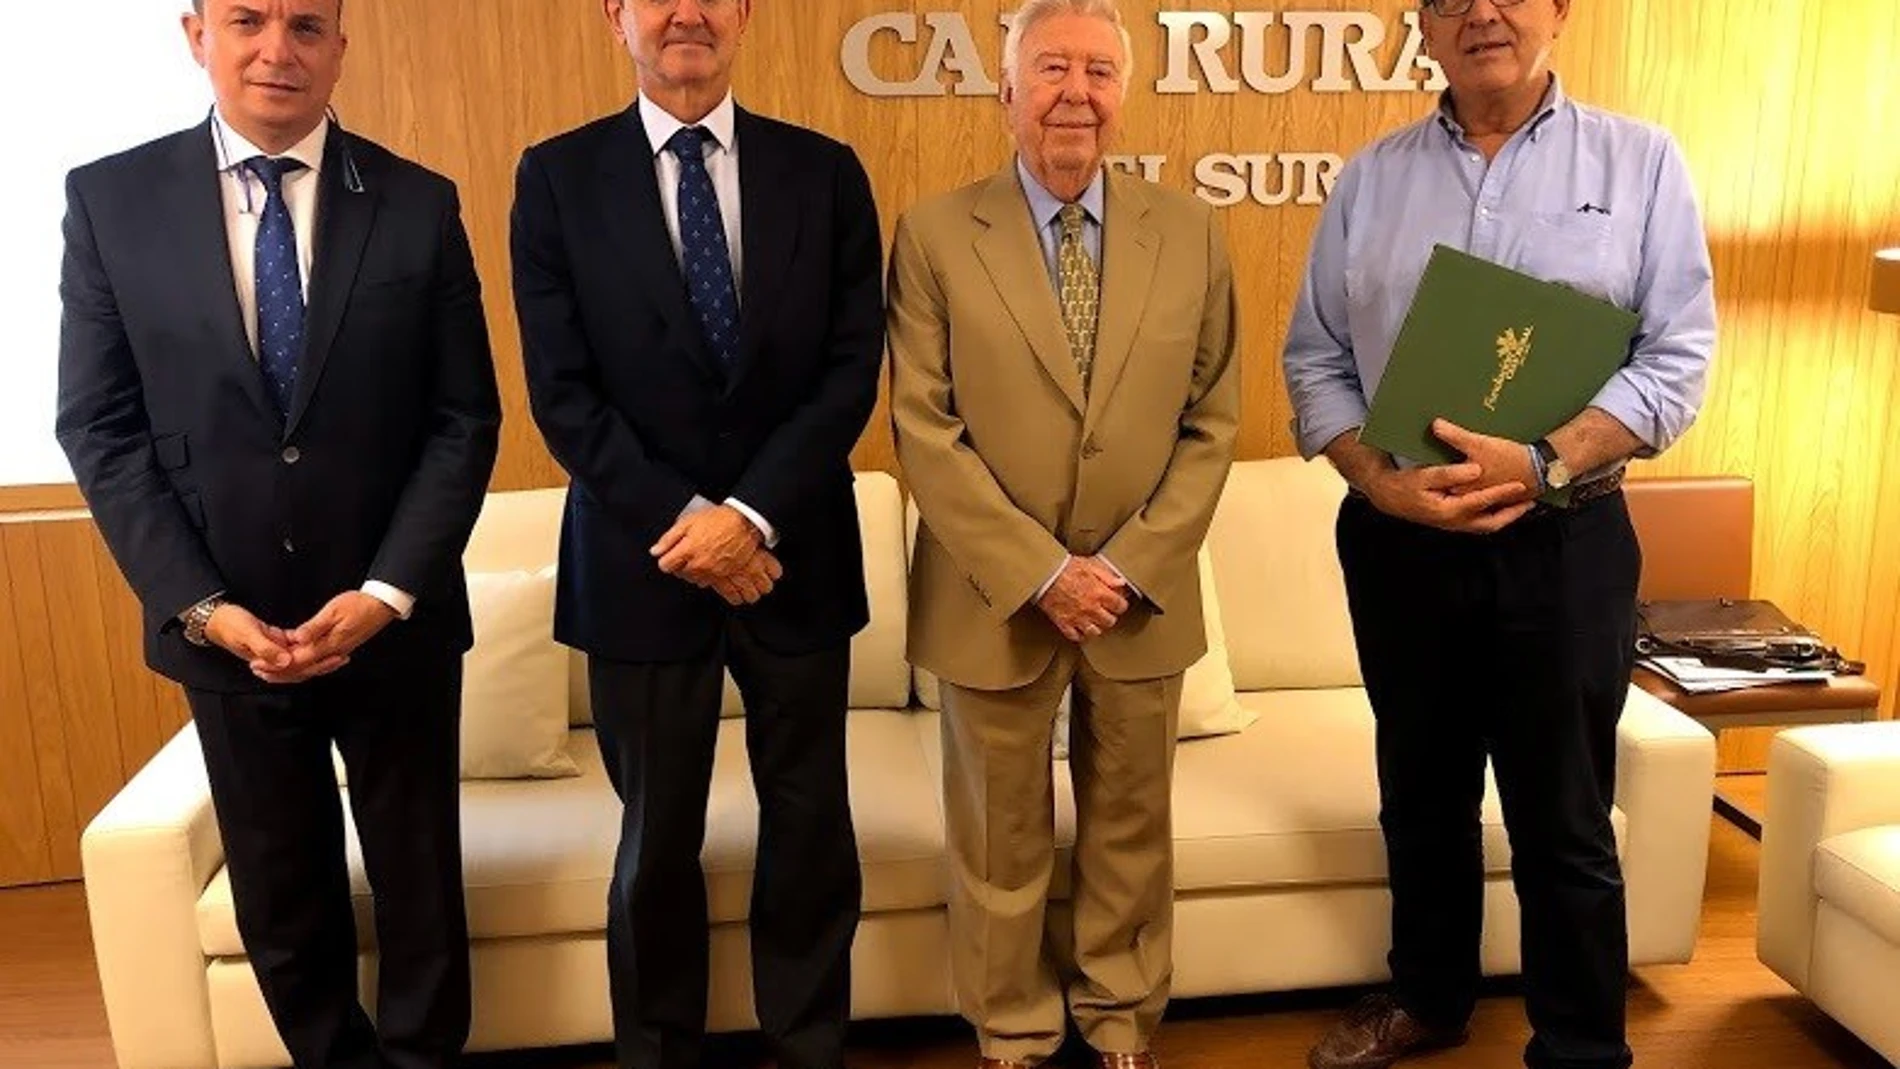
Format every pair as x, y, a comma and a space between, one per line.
1513, 350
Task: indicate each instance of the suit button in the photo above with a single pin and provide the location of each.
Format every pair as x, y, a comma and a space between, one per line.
1090, 451
292, 455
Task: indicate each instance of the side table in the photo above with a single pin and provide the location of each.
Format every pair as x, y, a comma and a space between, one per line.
1842, 699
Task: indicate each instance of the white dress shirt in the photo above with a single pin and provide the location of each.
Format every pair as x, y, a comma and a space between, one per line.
243, 194
722, 166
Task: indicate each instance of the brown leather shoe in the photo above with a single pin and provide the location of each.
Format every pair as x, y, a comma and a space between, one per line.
1138, 1060
1377, 1032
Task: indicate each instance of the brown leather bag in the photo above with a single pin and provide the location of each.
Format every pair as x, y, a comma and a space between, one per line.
1734, 634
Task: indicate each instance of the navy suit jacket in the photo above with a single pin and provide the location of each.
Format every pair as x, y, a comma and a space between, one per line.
196, 482
637, 411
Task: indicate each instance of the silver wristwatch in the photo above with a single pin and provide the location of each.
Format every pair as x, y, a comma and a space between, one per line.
196, 617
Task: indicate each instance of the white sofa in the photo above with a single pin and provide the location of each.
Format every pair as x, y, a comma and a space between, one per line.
1830, 874
1280, 866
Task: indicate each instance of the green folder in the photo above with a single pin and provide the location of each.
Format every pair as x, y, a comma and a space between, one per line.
1494, 351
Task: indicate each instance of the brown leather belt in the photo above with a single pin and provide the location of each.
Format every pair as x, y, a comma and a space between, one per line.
1595, 488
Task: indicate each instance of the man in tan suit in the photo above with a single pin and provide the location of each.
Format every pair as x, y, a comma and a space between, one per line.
1065, 401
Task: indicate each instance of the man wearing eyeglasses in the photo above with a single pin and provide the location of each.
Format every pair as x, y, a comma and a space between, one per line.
702, 323
1443, 563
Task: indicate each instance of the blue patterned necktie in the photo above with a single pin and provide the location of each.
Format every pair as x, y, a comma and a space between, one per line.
279, 283
704, 257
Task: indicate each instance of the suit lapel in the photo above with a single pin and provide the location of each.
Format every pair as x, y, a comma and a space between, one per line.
768, 231
634, 225
1130, 248
204, 250
1013, 258
345, 215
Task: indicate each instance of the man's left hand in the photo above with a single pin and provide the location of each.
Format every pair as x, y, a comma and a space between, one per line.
325, 642
708, 545
1500, 459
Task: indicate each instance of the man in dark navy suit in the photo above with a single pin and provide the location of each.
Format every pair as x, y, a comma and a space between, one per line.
700, 308
276, 392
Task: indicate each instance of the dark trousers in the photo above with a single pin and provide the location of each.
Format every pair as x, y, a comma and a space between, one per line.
279, 811
657, 725
1517, 646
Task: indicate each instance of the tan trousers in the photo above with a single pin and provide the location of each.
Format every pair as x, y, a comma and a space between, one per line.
1015, 961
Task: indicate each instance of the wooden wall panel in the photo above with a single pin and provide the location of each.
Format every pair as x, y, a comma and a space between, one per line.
32, 627
24, 833
1781, 107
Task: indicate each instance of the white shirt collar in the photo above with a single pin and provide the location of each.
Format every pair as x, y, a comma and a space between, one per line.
661, 125
234, 148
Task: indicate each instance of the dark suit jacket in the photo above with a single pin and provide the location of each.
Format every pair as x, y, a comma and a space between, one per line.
196, 482
633, 406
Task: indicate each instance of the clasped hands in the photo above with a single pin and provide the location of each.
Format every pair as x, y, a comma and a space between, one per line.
720, 550
322, 645
1086, 600
1492, 488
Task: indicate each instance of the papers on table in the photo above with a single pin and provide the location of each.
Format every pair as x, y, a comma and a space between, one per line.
1694, 677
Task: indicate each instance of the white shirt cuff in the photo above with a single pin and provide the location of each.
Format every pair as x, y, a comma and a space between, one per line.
766, 530
401, 601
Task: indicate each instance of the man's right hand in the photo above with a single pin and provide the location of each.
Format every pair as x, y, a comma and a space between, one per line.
1084, 601
751, 581
1447, 497
265, 648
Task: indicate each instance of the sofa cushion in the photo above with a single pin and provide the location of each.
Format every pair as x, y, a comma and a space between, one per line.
1282, 595
514, 722
1858, 873
521, 529
1292, 801
514, 680
538, 854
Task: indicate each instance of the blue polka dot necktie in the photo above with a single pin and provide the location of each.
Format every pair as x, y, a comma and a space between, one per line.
704, 257
279, 283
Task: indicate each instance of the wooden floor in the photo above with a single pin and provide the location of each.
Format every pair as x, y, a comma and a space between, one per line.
1724, 1011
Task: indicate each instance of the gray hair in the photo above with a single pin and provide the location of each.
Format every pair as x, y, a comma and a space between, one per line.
1034, 11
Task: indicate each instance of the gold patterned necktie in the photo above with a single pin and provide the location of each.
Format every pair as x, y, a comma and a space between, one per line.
1080, 294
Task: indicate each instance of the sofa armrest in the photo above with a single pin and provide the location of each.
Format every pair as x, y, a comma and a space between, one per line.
1822, 782
147, 858
1665, 781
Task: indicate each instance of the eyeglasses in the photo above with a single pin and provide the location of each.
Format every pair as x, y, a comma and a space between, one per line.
1451, 9
668, 5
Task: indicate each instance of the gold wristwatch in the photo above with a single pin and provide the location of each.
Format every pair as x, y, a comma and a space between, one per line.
196, 617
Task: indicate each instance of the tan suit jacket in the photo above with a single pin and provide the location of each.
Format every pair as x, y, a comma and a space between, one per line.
1013, 468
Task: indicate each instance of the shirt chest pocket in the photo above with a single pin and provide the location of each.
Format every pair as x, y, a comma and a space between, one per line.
1571, 248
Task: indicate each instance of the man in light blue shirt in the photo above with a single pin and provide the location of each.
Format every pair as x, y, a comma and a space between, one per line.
1451, 563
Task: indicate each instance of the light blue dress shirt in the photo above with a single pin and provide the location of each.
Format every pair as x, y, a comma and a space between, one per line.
1599, 202
1043, 209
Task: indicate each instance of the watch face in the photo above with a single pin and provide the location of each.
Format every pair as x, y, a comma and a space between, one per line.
1558, 475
